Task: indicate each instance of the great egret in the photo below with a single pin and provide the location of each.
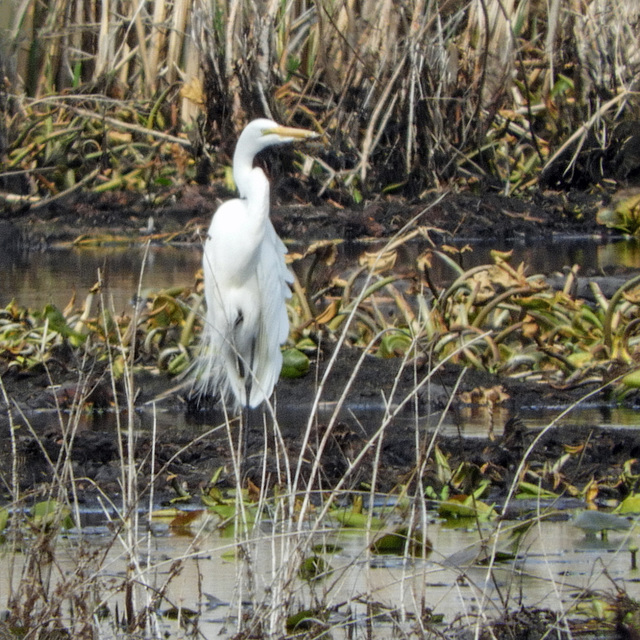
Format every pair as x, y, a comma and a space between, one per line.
246, 282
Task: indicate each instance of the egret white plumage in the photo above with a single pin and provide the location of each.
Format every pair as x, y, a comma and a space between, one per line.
246, 282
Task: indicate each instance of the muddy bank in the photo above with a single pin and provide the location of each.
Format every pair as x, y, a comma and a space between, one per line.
187, 456
184, 215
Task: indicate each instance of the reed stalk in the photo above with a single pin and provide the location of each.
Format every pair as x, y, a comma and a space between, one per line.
411, 94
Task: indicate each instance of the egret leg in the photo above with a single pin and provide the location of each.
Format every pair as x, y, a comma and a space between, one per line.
251, 444
237, 439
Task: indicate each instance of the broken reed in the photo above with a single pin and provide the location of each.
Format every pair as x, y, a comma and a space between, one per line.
412, 94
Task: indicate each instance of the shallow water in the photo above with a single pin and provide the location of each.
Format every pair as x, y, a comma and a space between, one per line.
555, 568
52, 276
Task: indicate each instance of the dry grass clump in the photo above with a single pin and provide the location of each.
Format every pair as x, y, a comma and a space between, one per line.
413, 95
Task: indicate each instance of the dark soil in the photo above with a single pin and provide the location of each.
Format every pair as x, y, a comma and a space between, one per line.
462, 215
188, 463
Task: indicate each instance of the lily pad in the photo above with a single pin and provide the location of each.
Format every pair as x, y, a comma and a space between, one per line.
402, 541
591, 521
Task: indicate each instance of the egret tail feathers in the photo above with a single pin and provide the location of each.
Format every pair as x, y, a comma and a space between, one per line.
216, 372
220, 370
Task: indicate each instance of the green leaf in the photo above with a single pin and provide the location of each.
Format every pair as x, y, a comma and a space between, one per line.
165, 312
229, 511
623, 215
529, 490
49, 512
394, 343
400, 541
631, 504
58, 323
466, 507
562, 85
302, 620
295, 364
307, 345
354, 520
632, 379
313, 568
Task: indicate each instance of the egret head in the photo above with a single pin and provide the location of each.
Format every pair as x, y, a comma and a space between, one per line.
256, 136
262, 133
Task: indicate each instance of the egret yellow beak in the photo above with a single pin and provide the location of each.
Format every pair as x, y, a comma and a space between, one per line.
291, 132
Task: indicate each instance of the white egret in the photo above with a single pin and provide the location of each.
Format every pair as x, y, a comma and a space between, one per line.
246, 282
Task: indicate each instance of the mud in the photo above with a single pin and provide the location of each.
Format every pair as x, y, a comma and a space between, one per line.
188, 463
183, 460
184, 215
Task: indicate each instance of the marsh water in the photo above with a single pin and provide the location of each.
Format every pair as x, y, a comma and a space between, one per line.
453, 581
53, 276
558, 567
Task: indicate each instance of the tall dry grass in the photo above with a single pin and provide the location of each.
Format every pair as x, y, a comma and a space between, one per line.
412, 94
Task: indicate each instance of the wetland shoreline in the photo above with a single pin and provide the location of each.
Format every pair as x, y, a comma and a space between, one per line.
183, 218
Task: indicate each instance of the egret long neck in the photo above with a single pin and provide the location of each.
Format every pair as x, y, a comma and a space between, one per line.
242, 170
253, 187
257, 197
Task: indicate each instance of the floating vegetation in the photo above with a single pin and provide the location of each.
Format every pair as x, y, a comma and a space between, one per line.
158, 333
314, 568
493, 317
623, 214
402, 541
51, 514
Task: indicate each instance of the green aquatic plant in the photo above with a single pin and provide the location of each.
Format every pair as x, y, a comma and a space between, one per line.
401, 541
295, 363
314, 568
163, 326
520, 326
622, 214
51, 514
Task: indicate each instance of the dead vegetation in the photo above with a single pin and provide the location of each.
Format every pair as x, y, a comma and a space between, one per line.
411, 95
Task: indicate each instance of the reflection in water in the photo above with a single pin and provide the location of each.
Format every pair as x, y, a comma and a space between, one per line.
625, 253
553, 569
36, 279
